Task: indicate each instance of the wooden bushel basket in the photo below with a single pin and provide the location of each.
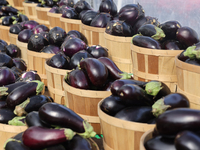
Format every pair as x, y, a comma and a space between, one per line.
70, 24
94, 35
54, 20
42, 17
188, 82
120, 134
154, 64
55, 79
119, 51
36, 61
84, 103
4, 33
23, 47
13, 38
145, 137
8, 131
17, 4
30, 10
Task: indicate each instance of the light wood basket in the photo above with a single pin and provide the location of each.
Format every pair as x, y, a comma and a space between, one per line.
154, 64
119, 51
70, 24
84, 103
188, 82
55, 79
36, 61
4, 33
41, 14
120, 134
94, 35
23, 47
8, 131
13, 38
17, 4
145, 137
30, 10
54, 20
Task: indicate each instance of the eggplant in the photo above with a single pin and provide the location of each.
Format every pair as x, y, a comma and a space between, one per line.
114, 72
157, 89
30, 24
3, 104
187, 36
3, 42
13, 144
120, 82
40, 28
171, 122
8, 9
193, 61
160, 142
13, 86
57, 36
182, 57
140, 114
170, 29
78, 35
30, 76
51, 49
6, 60
33, 119
38, 137
133, 95
22, 18
37, 42
17, 121
108, 6
171, 45
13, 51
18, 136
88, 17
171, 101
186, 140
45, 34
55, 9
6, 76
96, 71
69, 3
109, 27
152, 31
20, 64
3, 48
16, 28
31, 104
59, 115
98, 51
25, 35
17, 72
100, 20
21, 93
6, 115
7, 21
82, 5
112, 105
70, 14
193, 51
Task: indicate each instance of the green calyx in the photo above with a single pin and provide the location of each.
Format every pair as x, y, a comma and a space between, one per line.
3, 91
16, 121
126, 75
69, 134
40, 86
153, 88
20, 109
159, 107
89, 132
14, 22
10, 140
2, 17
190, 52
159, 34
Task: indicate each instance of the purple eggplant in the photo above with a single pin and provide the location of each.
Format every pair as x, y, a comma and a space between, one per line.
31, 104
16, 28
98, 51
171, 45
108, 6
55, 9
88, 17
17, 72
6, 114
3, 104
21, 93
7, 21
112, 105
40, 137
133, 95
30, 76
193, 61
3, 42
45, 34
59, 115
3, 48
6, 76
17, 121
171, 101
8, 9
13, 51
69, 3
18, 136
182, 57
78, 35
51, 49
109, 27
159, 142
173, 121
82, 5
25, 35
6, 60
13, 144
40, 28
22, 18
145, 41
100, 20
186, 140
96, 71
77, 78
70, 14
30, 24
20, 64
140, 114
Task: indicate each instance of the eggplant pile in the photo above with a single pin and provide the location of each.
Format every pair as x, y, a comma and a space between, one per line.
176, 129
142, 102
50, 126
95, 74
47, 3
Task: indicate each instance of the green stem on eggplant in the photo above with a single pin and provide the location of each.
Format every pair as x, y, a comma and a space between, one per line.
159, 34
19, 109
190, 52
40, 86
88, 130
3, 91
10, 140
126, 75
159, 107
152, 88
17, 121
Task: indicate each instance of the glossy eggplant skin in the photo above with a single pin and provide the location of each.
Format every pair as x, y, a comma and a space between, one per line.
133, 95
18, 136
96, 71
173, 121
182, 57
6, 115
3, 104
15, 145
140, 114
193, 61
120, 82
159, 142
15, 85
145, 41
186, 140
172, 45
112, 104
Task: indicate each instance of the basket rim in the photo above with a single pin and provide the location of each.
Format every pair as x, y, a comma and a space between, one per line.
144, 137
11, 128
94, 29
117, 38
67, 20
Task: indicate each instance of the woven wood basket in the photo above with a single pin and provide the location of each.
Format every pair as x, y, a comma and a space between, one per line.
145, 137
23, 47
54, 20
70, 24
30, 10
120, 134
17, 4
4, 33
94, 35
151, 64
42, 17
119, 51
84, 103
13, 38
